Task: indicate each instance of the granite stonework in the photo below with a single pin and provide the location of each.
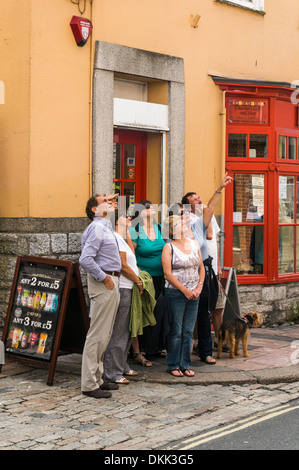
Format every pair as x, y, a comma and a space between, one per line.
51, 238
275, 302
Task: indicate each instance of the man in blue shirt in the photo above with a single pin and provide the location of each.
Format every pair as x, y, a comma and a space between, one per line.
201, 217
101, 260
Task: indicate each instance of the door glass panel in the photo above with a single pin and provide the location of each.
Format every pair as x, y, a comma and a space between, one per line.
282, 146
248, 198
117, 153
116, 187
129, 193
237, 145
248, 249
130, 162
297, 211
258, 146
286, 250
297, 249
292, 148
286, 199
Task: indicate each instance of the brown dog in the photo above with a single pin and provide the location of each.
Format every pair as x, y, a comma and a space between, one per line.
235, 331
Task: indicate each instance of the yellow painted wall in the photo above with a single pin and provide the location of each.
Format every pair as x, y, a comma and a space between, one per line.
14, 114
59, 108
45, 123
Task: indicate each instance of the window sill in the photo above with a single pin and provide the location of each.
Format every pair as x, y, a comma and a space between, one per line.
243, 7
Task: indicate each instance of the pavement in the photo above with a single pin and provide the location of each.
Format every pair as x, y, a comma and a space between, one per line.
155, 411
274, 358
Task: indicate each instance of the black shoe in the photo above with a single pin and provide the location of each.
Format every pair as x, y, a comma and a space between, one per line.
109, 386
98, 393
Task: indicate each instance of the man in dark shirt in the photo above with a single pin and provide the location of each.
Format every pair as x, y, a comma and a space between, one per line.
101, 260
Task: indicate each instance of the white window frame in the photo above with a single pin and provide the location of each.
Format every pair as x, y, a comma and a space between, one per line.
257, 5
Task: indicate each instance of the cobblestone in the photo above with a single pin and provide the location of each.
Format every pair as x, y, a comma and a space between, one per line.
138, 416
154, 409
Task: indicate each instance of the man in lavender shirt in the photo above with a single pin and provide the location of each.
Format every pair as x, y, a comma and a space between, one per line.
101, 260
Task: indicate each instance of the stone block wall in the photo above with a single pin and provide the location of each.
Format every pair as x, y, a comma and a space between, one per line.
50, 238
275, 302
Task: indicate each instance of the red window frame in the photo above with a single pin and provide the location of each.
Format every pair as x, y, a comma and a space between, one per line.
272, 167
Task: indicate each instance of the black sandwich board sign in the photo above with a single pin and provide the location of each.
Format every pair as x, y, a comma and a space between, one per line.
46, 312
232, 302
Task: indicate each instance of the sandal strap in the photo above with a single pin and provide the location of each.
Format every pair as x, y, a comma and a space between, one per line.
121, 380
142, 360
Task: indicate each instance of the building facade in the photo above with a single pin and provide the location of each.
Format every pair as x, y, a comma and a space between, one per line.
163, 98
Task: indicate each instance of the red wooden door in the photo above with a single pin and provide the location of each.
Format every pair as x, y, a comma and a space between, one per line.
129, 166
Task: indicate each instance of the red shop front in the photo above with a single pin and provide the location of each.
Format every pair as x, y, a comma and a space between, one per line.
262, 206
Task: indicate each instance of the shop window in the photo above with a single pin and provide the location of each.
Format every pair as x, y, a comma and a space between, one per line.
282, 147
292, 148
262, 204
130, 89
237, 145
288, 255
258, 146
248, 223
288, 147
251, 145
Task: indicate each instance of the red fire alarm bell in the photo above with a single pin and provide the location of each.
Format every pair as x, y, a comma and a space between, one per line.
81, 28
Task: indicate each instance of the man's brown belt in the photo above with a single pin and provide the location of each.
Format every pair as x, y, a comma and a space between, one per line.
112, 273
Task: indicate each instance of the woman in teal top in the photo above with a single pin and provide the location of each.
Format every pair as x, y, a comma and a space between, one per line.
148, 243
148, 251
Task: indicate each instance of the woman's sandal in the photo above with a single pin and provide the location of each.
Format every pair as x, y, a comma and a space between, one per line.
131, 373
209, 360
175, 373
122, 380
140, 359
162, 353
188, 372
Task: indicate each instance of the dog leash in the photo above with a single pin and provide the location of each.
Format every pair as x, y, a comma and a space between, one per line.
229, 301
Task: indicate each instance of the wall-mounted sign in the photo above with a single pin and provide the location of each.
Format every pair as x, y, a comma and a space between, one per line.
46, 311
247, 111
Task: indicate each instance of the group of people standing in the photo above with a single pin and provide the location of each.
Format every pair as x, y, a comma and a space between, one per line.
127, 260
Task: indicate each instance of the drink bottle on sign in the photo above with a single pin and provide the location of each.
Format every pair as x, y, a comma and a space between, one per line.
42, 343
19, 295
16, 338
37, 300
43, 300
24, 339
30, 300
54, 303
24, 299
33, 339
49, 303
